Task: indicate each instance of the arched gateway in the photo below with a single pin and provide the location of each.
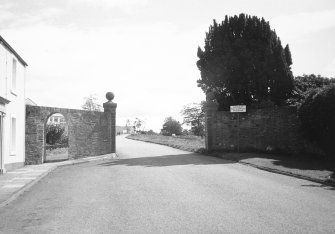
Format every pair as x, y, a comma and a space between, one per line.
56, 138
90, 133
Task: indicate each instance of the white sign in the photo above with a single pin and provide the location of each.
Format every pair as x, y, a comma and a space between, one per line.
241, 108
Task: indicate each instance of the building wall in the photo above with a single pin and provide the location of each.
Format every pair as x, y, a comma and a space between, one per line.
264, 130
90, 133
15, 108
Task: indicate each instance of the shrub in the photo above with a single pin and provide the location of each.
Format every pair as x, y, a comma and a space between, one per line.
317, 113
56, 134
304, 84
171, 126
151, 132
194, 116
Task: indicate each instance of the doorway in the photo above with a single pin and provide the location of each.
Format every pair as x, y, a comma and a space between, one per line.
56, 138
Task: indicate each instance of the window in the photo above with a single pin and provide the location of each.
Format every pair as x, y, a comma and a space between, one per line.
13, 136
14, 76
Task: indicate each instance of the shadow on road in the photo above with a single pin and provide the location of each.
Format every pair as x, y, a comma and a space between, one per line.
298, 162
168, 160
328, 187
310, 164
306, 164
302, 163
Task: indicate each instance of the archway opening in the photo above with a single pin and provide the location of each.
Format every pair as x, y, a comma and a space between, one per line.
56, 138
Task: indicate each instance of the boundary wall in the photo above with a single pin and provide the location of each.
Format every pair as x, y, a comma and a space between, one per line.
276, 129
90, 133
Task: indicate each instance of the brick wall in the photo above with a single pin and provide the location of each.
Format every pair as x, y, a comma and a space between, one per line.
90, 133
275, 129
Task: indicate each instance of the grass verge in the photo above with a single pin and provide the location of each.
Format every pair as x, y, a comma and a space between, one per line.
187, 143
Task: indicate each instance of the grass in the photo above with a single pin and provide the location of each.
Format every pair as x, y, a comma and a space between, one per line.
57, 154
187, 143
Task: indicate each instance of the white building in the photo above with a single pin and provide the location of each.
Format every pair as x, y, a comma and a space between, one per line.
30, 102
56, 119
12, 108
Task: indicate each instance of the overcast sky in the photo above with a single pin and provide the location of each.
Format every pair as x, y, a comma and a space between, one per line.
145, 51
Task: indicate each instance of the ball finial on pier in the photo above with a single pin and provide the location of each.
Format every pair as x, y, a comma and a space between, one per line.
110, 96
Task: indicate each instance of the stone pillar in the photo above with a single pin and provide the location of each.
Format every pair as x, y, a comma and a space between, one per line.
211, 107
110, 111
34, 135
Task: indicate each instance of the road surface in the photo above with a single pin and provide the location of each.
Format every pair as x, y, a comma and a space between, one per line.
157, 189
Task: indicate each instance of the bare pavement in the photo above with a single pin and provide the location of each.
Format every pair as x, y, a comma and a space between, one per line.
156, 189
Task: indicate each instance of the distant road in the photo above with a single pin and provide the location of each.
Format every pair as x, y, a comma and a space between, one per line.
157, 189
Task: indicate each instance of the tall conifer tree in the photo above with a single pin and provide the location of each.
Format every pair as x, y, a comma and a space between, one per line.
243, 62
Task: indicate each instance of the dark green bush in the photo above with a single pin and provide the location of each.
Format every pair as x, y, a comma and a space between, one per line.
56, 134
304, 84
317, 113
171, 126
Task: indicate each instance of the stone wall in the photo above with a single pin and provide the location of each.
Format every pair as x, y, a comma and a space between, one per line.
91, 133
275, 129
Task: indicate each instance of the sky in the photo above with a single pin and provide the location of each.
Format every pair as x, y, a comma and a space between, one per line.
145, 51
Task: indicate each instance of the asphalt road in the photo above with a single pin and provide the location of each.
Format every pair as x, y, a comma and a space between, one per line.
157, 189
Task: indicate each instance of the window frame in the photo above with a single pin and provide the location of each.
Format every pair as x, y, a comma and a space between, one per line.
14, 77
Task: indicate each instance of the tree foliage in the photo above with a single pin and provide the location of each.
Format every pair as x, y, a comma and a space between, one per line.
243, 62
138, 125
91, 103
56, 134
317, 113
171, 126
194, 116
305, 83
